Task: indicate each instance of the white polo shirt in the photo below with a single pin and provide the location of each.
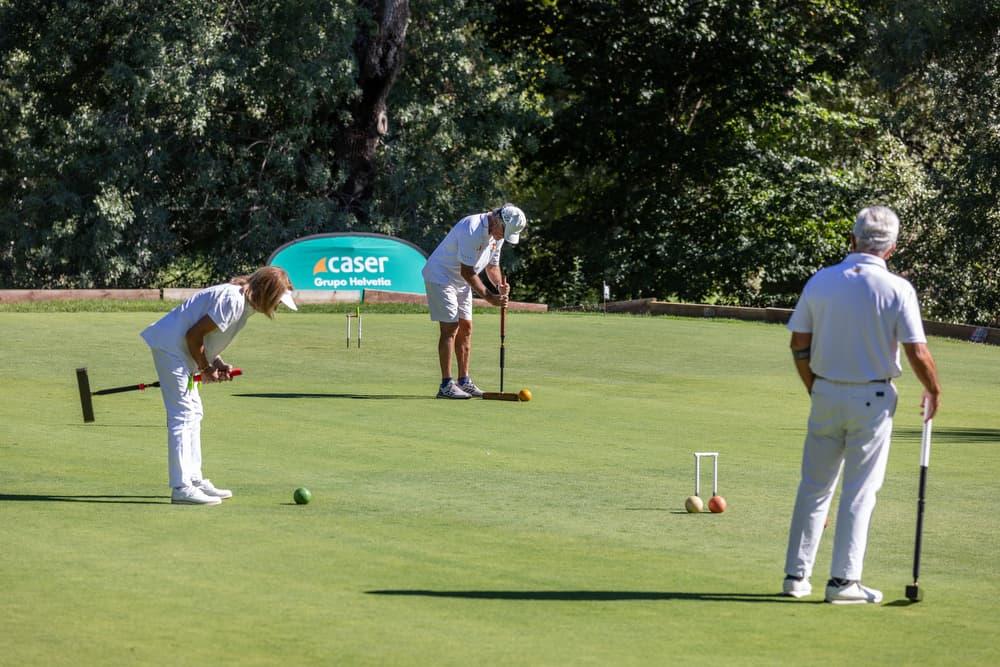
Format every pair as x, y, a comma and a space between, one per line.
858, 313
227, 307
469, 242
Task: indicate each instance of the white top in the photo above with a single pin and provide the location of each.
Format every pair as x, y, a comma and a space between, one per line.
469, 242
225, 304
858, 313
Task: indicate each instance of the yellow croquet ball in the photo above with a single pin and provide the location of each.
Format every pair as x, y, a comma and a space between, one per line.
694, 504
524, 394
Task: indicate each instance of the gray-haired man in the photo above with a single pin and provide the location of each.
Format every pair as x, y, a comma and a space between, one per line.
846, 331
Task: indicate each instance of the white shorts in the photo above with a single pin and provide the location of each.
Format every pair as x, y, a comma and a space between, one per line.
448, 303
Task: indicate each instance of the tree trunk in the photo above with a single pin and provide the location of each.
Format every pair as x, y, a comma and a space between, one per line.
379, 51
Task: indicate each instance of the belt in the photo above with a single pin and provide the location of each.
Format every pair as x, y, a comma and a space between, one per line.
879, 381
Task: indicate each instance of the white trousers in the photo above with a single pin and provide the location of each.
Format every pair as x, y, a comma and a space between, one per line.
184, 413
849, 429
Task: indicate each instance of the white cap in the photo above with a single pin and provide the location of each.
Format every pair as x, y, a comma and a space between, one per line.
514, 222
287, 299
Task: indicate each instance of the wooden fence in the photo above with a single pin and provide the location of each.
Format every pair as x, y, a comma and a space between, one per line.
967, 332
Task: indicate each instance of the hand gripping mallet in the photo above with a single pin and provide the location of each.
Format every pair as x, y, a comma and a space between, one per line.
83, 382
500, 395
914, 592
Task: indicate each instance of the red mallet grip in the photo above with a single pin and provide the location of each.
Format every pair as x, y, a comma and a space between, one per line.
233, 373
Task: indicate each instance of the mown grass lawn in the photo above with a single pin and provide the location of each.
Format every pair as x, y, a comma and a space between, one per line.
456, 533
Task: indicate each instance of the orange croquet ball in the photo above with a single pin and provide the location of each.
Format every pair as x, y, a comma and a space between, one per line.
717, 504
524, 394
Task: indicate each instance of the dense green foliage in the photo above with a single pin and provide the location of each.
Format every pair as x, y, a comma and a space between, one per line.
455, 114
710, 150
143, 132
661, 166
939, 64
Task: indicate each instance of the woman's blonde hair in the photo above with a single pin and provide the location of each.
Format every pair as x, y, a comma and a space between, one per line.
264, 288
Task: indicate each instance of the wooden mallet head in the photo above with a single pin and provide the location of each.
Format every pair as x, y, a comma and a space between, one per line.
86, 402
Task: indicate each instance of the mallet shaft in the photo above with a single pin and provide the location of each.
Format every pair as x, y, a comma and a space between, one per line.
503, 335
146, 385
920, 523
913, 592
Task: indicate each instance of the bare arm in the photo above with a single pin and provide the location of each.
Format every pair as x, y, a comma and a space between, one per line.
922, 363
496, 277
195, 338
801, 343
479, 289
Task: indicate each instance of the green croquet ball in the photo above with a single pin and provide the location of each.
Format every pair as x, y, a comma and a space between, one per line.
302, 496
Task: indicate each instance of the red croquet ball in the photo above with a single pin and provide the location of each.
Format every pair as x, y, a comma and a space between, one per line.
717, 504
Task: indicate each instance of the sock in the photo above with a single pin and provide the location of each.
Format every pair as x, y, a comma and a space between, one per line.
837, 581
792, 576
463, 379
445, 381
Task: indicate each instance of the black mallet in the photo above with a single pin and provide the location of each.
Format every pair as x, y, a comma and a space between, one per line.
83, 381
913, 592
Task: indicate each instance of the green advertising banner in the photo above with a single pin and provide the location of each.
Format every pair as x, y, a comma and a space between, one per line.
346, 262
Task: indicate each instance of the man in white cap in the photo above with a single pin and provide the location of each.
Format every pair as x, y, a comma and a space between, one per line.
452, 278
846, 331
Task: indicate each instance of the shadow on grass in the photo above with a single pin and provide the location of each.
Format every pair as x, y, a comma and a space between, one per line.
900, 603
959, 436
943, 434
706, 512
594, 596
374, 397
128, 500
96, 425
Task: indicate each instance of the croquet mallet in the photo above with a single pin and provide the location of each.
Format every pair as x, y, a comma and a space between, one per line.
86, 402
913, 592
500, 395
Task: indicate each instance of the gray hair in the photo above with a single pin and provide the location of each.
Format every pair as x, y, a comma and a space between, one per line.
875, 229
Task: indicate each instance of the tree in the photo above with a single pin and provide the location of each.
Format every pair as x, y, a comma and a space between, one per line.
143, 140
652, 109
460, 122
378, 49
937, 63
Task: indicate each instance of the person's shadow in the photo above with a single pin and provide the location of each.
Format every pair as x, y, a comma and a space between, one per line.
951, 435
593, 596
374, 397
608, 596
71, 498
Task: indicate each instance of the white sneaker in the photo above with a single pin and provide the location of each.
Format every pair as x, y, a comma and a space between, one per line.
206, 487
190, 495
796, 588
470, 388
451, 390
853, 592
